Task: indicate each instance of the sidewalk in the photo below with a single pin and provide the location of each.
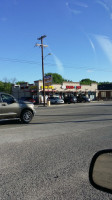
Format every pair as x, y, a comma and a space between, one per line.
64, 104
52, 105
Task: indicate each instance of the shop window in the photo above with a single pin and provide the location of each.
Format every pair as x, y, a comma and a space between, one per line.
103, 94
111, 94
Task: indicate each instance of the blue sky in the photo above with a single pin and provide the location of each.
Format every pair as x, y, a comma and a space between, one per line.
79, 36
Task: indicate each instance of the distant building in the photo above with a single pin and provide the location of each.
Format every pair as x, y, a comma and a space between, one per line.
67, 88
105, 91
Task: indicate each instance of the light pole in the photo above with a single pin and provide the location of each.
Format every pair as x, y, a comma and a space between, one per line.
47, 55
42, 45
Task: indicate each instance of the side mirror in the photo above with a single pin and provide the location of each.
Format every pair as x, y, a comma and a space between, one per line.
100, 172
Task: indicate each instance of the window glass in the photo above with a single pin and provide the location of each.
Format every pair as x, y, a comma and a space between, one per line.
7, 98
103, 94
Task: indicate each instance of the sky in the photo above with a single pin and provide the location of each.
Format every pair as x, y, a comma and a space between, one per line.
78, 35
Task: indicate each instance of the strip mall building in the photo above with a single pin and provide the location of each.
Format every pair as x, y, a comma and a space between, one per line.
67, 88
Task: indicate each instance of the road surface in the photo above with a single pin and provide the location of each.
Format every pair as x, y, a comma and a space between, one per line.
49, 158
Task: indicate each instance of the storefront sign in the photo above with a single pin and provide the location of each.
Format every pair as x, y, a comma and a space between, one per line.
48, 80
69, 87
63, 87
78, 87
47, 87
72, 87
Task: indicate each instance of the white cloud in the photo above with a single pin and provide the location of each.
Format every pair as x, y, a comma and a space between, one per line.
92, 45
72, 10
103, 4
90, 71
76, 12
58, 63
81, 4
66, 3
76, 7
106, 45
90, 41
107, 5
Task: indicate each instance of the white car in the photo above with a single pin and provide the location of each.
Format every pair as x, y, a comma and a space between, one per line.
56, 100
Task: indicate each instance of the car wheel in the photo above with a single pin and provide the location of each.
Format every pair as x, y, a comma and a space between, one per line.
26, 116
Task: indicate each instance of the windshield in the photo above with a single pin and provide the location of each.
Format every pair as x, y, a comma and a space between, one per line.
7, 99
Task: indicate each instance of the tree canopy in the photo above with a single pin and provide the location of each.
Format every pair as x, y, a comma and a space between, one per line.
87, 81
5, 87
101, 83
57, 78
20, 82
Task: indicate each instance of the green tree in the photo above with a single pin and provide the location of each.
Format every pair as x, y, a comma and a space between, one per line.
20, 82
8, 87
5, 87
87, 81
101, 83
57, 78
1, 86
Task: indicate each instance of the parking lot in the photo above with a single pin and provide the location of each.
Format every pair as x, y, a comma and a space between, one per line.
49, 158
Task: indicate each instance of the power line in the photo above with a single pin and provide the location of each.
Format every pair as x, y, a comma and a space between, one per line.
66, 66
18, 60
79, 68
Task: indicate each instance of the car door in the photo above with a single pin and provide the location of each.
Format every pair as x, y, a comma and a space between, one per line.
9, 108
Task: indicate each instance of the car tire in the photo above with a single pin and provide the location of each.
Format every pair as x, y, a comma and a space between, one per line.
26, 116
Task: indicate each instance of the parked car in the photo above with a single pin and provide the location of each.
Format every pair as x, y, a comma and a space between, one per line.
28, 99
11, 108
56, 100
83, 99
70, 99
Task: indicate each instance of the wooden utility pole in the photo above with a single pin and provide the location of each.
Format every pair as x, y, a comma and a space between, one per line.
41, 45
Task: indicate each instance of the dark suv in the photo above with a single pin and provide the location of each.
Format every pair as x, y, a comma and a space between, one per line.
70, 99
11, 108
82, 99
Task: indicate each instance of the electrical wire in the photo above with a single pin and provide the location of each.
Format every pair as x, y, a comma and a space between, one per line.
18, 60
66, 66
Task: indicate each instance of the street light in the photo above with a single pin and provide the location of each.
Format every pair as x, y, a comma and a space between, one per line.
47, 55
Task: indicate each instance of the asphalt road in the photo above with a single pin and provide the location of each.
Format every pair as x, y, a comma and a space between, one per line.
50, 158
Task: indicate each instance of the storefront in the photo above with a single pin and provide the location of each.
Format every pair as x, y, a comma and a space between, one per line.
105, 92
66, 89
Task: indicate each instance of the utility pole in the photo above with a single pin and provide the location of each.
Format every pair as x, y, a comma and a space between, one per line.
42, 45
